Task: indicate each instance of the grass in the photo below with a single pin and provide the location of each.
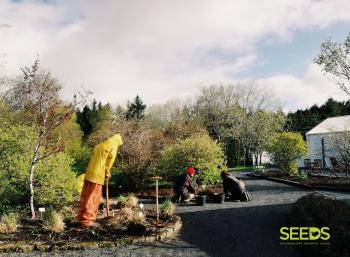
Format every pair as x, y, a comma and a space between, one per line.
127, 201
240, 168
53, 221
9, 223
167, 208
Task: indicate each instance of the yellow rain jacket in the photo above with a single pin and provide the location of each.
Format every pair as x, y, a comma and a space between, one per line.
102, 159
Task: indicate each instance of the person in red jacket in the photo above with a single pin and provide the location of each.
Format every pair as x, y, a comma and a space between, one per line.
183, 188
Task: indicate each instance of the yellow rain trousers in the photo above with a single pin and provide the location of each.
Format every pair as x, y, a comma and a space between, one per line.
100, 165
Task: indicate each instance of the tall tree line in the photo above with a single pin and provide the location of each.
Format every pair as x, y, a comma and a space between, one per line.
304, 120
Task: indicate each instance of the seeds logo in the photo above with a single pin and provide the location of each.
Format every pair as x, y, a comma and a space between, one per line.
304, 234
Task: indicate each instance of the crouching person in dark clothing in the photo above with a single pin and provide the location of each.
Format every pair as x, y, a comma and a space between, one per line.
183, 189
234, 189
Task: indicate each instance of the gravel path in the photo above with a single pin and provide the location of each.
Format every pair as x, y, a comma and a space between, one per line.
229, 229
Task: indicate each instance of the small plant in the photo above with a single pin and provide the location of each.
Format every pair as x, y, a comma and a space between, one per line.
53, 221
167, 209
302, 176
259, 169
137, 217
127, 201
9, 223
122, 201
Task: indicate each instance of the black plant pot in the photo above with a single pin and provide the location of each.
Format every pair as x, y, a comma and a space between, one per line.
219, 198
200, 200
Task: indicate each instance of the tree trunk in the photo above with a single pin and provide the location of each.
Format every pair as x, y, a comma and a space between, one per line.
260, 157
30, 180
31, 188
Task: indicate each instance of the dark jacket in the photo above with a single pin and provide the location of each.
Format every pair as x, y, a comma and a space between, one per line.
183, 185
233, 185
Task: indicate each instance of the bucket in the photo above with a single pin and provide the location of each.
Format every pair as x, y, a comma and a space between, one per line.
219, 198
200, 200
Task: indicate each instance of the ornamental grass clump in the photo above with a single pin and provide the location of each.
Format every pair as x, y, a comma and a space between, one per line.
167, 209
9, 223
53, 221
127, 201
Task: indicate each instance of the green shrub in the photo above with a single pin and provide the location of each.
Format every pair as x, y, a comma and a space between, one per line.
302, 176
53, 178
200, 151
14, 163
55, 181
9, 223
286, 148
81, 160
53, 221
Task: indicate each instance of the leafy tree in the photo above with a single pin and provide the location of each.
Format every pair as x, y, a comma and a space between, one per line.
36, 94
334, 60
71, 137
200, 150
286, 148
54, 180
135, 109
264, 125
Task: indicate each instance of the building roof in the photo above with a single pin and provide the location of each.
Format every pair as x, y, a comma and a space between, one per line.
334, 124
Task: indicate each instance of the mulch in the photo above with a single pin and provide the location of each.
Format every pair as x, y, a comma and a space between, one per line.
313, 180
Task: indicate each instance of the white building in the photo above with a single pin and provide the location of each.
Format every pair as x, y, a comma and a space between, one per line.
317, 139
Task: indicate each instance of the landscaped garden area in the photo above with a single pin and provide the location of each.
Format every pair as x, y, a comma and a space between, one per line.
48, 143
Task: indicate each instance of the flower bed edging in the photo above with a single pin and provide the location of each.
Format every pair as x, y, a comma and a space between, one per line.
294, 183
26, 247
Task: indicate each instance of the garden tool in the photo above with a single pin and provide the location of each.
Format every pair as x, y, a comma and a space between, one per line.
107, 199
157, 223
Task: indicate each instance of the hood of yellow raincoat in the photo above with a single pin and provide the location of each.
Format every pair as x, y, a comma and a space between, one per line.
115, 140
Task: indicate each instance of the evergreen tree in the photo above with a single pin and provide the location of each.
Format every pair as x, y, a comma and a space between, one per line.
304, 120
135, 109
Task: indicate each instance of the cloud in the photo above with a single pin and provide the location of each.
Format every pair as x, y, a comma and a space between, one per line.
160, 48
312, 88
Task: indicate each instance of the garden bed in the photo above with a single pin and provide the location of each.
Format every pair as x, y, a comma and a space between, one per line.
311, 182
31, 236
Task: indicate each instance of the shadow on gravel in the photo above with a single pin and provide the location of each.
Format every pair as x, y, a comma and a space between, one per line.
250, 231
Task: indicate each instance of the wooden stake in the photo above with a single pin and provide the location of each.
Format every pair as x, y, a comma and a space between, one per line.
157, 203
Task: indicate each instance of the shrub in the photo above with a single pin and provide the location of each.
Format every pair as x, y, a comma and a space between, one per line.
139, 153
167, 209
53, 221
55, 181
81, 160
316, 210
302, 176
200, 151
286, 148
53, 178
9, 223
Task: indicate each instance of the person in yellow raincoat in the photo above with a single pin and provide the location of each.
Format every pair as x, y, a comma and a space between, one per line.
97, 172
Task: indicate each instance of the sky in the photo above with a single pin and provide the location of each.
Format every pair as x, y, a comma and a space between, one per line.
162, 49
